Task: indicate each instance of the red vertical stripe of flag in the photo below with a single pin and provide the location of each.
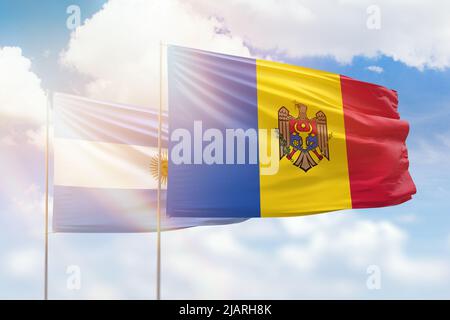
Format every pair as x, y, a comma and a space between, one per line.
376, 151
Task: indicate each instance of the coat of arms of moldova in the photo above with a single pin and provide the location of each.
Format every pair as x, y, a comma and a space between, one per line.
303, 140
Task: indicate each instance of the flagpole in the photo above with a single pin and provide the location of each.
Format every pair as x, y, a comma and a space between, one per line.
46, 196
158, 209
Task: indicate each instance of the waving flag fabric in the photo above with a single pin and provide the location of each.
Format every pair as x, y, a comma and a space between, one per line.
254, 138
105, 168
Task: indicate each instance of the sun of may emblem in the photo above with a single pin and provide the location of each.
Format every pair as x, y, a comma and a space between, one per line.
303, 140
164, 167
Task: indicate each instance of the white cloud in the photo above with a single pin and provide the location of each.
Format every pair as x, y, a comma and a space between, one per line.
362, 242
308, 257
119, 47
376, 69
299, 258
22, 100
339, 28
21, 95
22, 115
23, 263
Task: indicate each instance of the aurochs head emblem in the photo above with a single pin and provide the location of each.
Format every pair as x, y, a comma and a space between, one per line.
303, 141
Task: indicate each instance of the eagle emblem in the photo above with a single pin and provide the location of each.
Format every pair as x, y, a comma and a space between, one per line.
303, 140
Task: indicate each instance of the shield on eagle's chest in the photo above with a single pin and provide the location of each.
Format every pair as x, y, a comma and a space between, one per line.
303, 140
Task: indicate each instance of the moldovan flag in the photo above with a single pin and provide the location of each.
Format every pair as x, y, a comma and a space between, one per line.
254, 138
106, 168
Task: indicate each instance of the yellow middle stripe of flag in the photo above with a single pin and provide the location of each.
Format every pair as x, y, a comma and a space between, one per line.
291, 190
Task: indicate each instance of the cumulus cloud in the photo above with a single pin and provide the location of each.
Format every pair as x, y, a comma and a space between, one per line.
119, 47
22, 115
376, 69
310, 257
359, 243
340, 28
22, 99
21, 95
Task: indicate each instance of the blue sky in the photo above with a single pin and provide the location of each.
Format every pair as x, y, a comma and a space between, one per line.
200, 262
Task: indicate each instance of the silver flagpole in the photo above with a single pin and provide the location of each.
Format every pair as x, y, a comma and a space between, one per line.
46, 196
158, 209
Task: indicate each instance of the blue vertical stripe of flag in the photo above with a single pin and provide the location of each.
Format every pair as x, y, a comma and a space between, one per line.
220, 91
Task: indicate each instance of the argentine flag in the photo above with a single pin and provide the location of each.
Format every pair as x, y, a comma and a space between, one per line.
106, 168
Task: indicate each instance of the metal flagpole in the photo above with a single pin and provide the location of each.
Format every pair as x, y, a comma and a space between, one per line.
158, 208
46, 196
